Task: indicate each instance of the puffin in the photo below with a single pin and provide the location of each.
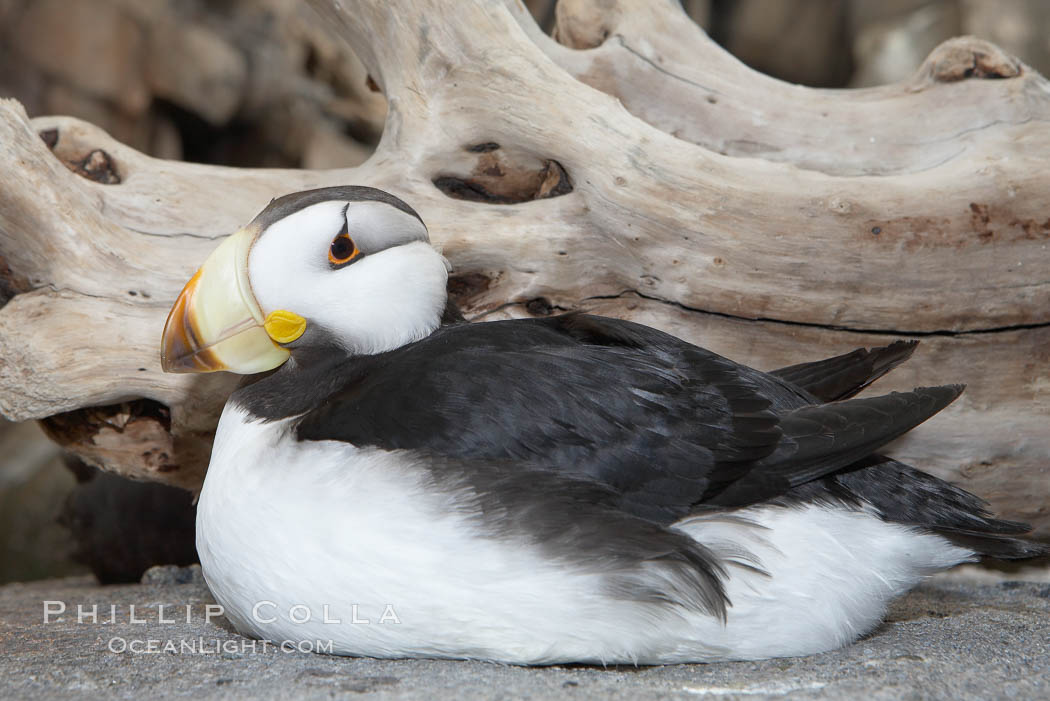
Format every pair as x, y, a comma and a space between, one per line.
392, 481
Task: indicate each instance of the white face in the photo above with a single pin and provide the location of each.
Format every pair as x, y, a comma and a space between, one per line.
390, 294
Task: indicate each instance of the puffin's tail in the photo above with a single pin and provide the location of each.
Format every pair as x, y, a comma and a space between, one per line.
999, 547
841, 377
901, 494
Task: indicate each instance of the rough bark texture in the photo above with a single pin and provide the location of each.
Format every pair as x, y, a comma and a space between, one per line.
634, 169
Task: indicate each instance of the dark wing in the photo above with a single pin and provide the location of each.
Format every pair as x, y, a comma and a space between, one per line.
820, 440
661, 422
639, 411
843, 376
901, 494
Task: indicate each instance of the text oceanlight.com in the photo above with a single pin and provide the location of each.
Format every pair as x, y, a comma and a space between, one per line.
214, 646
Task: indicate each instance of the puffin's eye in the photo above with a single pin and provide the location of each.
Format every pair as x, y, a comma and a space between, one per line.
343, 250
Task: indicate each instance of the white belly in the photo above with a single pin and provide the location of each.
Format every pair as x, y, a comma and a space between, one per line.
322, 542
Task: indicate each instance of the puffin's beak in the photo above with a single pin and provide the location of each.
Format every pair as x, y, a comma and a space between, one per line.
216, 324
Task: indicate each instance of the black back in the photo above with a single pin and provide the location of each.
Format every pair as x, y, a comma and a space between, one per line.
663, 424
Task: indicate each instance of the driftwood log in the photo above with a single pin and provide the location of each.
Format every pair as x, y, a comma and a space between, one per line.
631, 168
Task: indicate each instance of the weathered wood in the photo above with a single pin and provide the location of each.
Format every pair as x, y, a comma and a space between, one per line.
548, 194
668, 72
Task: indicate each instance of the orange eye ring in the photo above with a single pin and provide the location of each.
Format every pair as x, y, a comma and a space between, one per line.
343, 250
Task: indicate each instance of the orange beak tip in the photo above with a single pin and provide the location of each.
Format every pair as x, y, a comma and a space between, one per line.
181, 348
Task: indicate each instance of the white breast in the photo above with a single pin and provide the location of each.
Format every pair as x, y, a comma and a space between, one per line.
307, 532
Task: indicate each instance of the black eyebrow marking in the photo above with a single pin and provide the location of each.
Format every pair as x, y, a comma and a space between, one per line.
289, 204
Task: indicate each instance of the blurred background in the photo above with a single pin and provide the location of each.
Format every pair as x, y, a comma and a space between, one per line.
263, 83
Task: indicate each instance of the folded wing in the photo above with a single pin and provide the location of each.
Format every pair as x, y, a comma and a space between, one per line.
664, 424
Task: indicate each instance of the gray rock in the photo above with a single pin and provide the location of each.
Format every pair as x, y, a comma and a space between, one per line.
196, 69
34, 485
949, 639
90, 44
167, 575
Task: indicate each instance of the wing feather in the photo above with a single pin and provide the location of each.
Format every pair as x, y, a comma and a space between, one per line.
845, 375
822, 439
663, 423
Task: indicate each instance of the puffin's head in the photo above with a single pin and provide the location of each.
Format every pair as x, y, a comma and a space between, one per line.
346, 266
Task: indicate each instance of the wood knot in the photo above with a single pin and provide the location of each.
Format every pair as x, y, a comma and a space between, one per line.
970, 57
979, 219
50, 137
504, 176
465, 288
136, 432
840, 205
483, 147
541, 306
11, 283
582, 24
97, 166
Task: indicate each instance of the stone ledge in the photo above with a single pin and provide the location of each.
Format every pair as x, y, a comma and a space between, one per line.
949, 639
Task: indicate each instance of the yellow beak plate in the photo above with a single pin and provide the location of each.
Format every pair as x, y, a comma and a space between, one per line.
216, 324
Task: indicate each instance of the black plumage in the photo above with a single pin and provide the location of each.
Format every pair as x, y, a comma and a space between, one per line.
660, 427
845, 375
